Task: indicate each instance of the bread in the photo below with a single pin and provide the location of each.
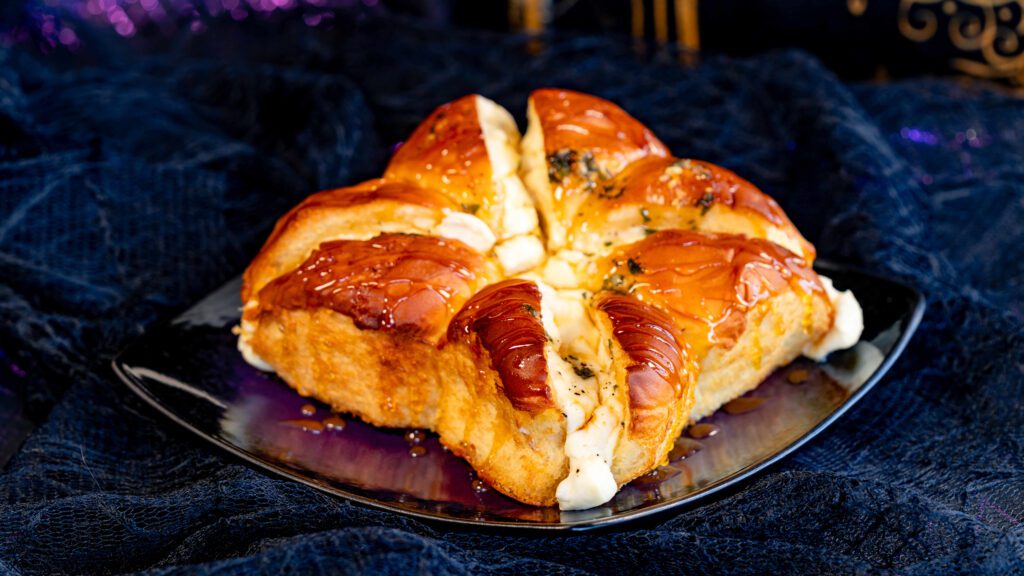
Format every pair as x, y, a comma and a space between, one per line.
563, 364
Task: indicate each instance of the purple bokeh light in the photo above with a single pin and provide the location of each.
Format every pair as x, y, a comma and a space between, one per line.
919, 136
55, 24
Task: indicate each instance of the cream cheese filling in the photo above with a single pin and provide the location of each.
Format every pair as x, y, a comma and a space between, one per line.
593, 411
520, 254
534, 172
245, 331
518, 248
468, 229
847, 323
501, 138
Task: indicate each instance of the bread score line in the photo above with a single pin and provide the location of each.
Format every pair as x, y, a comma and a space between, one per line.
557, 307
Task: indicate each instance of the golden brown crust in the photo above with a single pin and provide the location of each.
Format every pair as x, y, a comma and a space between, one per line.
659, 371
447, 153
708, 282
671, 193
744, 306
394, 282
682, 304
520, 453
361, 211
504, 320
390, 379
589, 139
468, 151
575, 144
777, 330
497, 409
357, 325
410, 330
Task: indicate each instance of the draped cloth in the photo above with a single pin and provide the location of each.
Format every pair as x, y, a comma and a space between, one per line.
131, 184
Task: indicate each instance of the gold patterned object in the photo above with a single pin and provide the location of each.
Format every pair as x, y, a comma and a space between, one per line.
686, 24
990, 29
857, 7
987, 32
534, 16
530, 16
686, 29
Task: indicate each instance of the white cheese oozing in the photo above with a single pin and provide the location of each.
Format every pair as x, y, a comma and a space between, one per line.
520, 254
575, 396
501, 137
467, 229
245, 331
590, 450
520, 216
577, 335
570, 269
534, 171
847, 324
592, 412
561, 269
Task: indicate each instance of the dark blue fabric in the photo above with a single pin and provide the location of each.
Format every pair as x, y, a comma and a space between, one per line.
131, 188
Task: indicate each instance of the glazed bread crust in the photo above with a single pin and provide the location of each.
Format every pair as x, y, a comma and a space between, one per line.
497, 409
659, 370
560, 365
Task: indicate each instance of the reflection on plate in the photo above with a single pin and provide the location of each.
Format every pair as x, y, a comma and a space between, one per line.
191, 371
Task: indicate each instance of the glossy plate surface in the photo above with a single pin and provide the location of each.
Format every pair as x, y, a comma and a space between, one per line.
190, 370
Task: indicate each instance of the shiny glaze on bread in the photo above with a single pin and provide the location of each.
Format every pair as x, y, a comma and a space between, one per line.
679, 193
661, 365
708, 282
394, 282
377, 198
589, 140
504, 320
447, 153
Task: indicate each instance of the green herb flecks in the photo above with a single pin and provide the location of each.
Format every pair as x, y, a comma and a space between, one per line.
610, 191
634, 267
614, 283
705, 202
581, 368
560, 164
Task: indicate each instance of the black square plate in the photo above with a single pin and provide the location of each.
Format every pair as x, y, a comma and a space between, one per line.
191, 371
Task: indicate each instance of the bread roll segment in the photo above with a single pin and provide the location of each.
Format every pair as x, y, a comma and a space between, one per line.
499, 409
658, 369
746, 306
357, 324
455, 177
468, 150
574, 144
560, 366
666, 193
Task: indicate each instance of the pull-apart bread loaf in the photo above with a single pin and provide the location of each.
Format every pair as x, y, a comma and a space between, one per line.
561, 356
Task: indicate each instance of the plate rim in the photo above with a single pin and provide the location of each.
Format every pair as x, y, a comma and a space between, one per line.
912, 323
